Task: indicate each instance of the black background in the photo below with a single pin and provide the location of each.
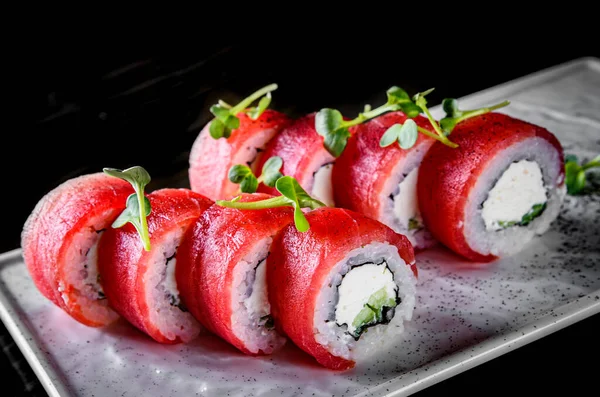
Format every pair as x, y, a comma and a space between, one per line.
136, 98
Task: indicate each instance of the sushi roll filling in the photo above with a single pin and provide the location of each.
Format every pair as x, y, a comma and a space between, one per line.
89, 273
405, 205
256, 300
322, 188
517, 198
169, 284
367, 296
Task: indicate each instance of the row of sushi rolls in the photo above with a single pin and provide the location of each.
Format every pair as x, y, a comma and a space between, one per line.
299, 229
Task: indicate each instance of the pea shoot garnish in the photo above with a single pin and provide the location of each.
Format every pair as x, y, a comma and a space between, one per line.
331, 125
243, 175
226, 119
454, 115
575, 174
292, 195
138, 205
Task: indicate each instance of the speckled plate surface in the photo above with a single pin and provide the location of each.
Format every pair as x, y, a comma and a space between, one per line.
465, 315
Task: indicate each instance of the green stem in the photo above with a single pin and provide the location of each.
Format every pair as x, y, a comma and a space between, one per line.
441, 137
428, 133
590, 165
362, 117
472, 113
246, 102
143, 221
274, 202
224, 104
444, 140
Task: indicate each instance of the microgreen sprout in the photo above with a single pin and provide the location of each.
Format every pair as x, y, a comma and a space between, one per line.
421, 102
138, 205
243, 175
292, 195
575, 174
226, 119
454, 115
331, 125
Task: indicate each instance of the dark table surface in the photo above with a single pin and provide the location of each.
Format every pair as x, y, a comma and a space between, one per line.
81, 110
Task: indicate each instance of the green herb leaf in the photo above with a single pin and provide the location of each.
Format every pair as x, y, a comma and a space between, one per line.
407, 136
390, 135
243, 175
454, 115
328, 121
450, 106
290, 188
397, 95
231, 123
336, 142
220, 112
137, 212
410, 109
263, 104
238, 172
226, 119
571, 158
292, 196
249, 184
271, 171
132, 213
216, 129
575, 175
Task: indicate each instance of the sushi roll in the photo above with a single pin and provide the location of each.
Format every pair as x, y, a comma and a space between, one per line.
212, 156
305, 158
221, 273
489, 197
381, 182
60, 239
140, 285
342, 289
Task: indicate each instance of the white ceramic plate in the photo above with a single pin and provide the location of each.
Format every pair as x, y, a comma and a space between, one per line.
465, 315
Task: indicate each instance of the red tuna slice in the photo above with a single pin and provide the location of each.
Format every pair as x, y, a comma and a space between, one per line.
211, 159
140, 285
59, 241
448, 176
217, 271
303, 154
366, 175
300, 264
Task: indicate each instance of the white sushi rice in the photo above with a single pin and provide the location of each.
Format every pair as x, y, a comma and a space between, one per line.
81, 272
250, 304
162, 295
399, 199
510, 240
322, 188
335, 338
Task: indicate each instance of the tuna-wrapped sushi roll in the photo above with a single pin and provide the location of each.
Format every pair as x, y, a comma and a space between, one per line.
59, 242
221, 273
343, 288
381, 182
140, 285
489, 197
305, 158
215, 152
